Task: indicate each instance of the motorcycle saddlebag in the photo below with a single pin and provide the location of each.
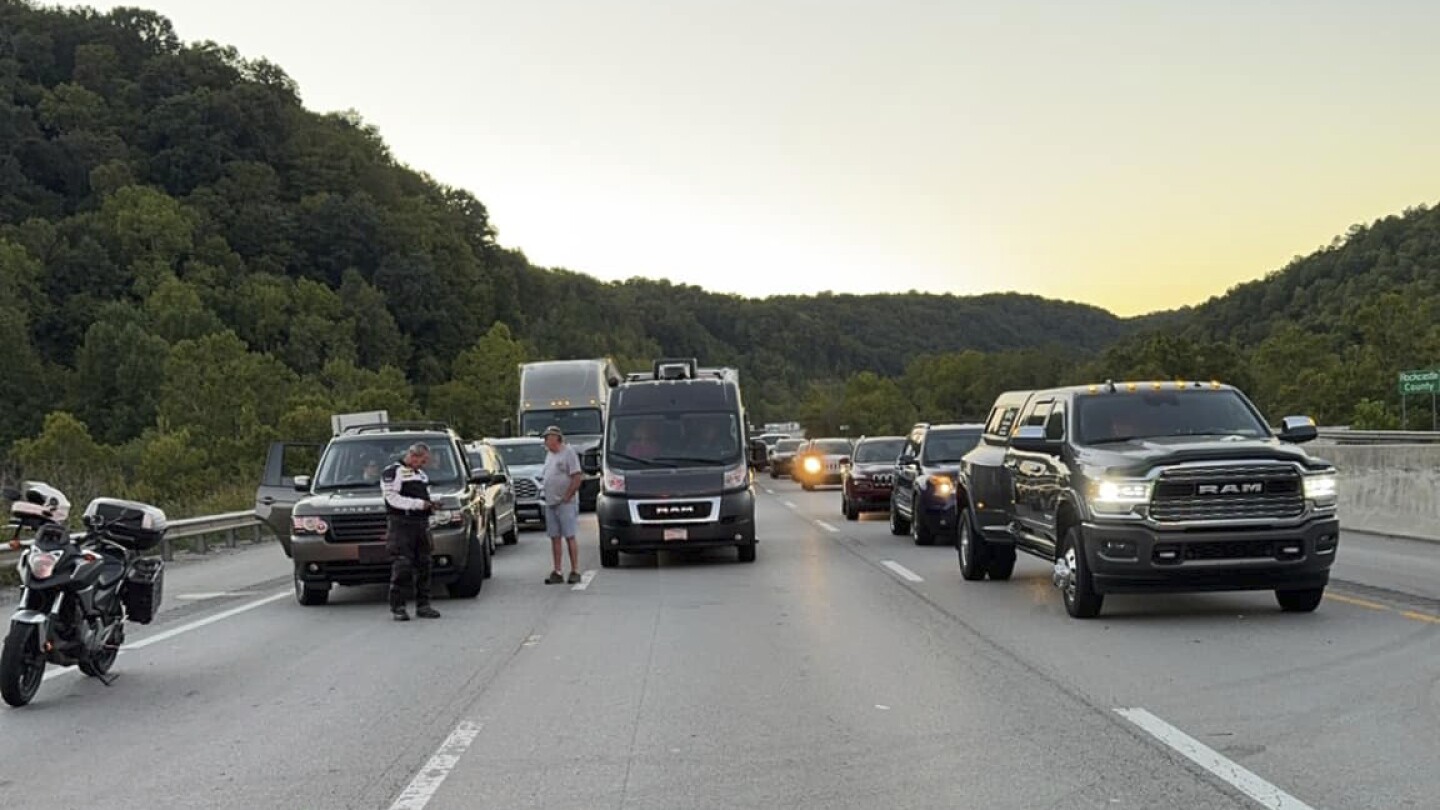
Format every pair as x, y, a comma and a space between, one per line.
143, 589
134, 525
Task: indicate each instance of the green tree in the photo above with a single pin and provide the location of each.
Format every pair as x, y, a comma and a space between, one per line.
484, 388
65, 455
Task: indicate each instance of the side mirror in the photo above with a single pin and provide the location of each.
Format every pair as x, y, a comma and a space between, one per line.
481, 477
302, 483
590, 461
845, 461
1031, 439
1298, 429
499, 478
905, 460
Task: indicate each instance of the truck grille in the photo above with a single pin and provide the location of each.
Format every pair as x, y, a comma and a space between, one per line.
357, 528
526, 489
1248, 492
674, 510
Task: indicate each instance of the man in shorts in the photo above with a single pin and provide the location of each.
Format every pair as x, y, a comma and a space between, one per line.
560, 481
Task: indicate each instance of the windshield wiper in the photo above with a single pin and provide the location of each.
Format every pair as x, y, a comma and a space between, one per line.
649, 462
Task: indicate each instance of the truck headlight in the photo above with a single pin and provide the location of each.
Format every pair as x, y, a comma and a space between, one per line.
1118, 495
1321, 488
736, 477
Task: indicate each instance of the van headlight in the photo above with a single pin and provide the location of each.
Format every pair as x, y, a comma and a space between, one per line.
1118, 496
613, 482
737, 477
1322, 488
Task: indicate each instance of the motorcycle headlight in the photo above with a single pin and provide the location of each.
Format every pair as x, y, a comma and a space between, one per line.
737, 477
1322, 488
1118, 495
42, 564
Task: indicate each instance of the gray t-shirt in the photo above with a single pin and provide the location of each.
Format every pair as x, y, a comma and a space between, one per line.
559, 466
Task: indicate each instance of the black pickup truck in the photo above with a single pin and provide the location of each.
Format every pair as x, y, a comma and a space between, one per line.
1148, 488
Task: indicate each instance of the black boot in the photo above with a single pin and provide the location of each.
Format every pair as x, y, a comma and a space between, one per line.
427, 612
399, 614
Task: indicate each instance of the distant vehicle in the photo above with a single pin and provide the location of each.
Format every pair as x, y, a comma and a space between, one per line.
869, 478
821, 461
499, 494
572, 395
525, 459
675, 466
333, 525
923, 500
769, 439
1149, 487
340, 421
782, 455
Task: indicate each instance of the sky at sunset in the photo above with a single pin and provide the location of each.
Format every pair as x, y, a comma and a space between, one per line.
1133, 155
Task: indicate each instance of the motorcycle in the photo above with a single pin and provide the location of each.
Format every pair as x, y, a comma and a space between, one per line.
78, 592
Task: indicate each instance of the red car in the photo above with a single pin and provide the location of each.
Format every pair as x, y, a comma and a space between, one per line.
867, 480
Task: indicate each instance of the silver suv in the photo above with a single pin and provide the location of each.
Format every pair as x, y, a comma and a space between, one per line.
525, 458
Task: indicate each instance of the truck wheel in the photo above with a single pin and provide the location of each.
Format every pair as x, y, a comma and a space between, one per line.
1302, 601
609, 558
1001, 563
973, 552
310, 595
746, 552
898, 525
1078, 589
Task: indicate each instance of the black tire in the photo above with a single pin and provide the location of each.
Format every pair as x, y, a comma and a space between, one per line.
489, 546
774, 474
22, 666
898, 525
919, 529
746, 552
512, 537
310, 595
1301, 601
1081, 600
609, 558
1001, 563
973, 552
851, 513
471, 580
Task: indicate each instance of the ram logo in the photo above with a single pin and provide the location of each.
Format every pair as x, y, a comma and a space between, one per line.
1241, 488
675, 510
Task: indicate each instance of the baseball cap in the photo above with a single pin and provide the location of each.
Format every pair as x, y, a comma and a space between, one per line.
553, 430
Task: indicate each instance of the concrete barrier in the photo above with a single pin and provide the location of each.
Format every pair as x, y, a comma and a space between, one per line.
1387, 489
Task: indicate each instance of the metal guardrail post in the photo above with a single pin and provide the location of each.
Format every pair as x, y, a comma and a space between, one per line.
201, 545
167, 551
232, 537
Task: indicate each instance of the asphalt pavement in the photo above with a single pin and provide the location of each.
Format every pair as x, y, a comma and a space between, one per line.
846, 668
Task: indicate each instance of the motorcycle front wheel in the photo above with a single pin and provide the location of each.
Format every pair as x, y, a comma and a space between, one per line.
22, 664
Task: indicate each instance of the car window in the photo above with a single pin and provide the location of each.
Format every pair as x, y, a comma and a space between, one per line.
1037, 413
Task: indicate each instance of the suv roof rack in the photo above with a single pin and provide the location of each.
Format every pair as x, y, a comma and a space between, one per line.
396, 427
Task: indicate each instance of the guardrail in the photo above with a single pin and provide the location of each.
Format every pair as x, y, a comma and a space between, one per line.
200, 530
1347, 436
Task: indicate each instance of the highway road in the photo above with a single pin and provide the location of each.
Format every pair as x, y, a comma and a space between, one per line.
847, 668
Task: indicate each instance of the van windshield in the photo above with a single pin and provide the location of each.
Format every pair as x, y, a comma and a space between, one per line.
695, 438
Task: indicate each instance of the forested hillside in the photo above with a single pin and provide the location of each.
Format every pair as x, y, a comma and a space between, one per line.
192, 264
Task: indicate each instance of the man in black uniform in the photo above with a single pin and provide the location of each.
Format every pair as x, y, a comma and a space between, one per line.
408, 507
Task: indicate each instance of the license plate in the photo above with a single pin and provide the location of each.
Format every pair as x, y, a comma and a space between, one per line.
374, 554
677, 534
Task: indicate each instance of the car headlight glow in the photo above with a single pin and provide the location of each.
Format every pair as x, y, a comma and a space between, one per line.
812, 464
1321, 488
1118, 496
942, 485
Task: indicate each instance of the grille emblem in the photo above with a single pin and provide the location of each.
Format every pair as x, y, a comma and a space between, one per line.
1238, 488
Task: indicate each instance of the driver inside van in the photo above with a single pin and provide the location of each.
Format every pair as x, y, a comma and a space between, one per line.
643, 443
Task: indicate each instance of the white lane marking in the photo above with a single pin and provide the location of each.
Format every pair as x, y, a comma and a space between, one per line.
826, 526
214, 594
428, 781
585, 580
790, 504
769, 491
882, 707
195, 625
901, 571
55, 672
531, 641
1238, 777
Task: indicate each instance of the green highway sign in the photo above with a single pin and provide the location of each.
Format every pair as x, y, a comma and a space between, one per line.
1423, 381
